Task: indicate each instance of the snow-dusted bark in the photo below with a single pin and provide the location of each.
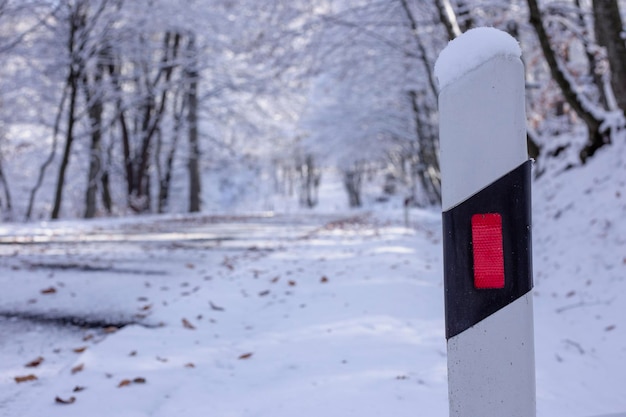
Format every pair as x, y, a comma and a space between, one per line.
588, 112
610, 35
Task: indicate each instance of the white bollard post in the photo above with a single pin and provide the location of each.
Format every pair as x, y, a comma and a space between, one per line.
486, 219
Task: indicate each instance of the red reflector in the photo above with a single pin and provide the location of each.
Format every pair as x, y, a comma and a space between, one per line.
488, 251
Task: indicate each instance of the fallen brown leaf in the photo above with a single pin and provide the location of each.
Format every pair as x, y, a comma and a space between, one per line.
291, 283
78, 368
110, 329
124, 383
324, 280
190, 365
264, 293
78, 388
88, 337
60, 400
25, 378
188, 325
49, 290
139, 380
34, 363
80, 349
246, 355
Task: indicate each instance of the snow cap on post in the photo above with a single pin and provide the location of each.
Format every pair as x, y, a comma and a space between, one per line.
467, 52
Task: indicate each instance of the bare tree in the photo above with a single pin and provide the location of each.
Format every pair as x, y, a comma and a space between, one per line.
77, 22
609, 31
94, 91
191, 75
447, 16
5, 205
591, 116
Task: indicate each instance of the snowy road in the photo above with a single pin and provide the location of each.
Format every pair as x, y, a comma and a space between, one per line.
239, 316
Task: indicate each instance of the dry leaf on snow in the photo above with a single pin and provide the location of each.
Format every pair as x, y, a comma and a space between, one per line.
34, 363
80, 349
127, 382
124, 383
49, 290
25, 378
78, 368
246, 355
188, 325
60, 400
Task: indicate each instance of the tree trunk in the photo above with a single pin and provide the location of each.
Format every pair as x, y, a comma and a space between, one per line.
422, 49
427, 164
352, 180
609, 34
69, 139
77, 22
309, 181
596, 138
425, 134
95, 164
94, 112
152, 115
5, 186
593, 59
192, 123
448, 18
165, 174
464, 15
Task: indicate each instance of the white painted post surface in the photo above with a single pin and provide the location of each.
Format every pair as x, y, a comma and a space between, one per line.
491, 369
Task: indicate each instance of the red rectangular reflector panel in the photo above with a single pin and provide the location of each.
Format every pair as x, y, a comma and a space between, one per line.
488, 251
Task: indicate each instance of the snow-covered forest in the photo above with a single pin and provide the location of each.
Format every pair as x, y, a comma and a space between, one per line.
114, 107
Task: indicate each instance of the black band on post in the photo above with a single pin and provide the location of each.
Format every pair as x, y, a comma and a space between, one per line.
509, 196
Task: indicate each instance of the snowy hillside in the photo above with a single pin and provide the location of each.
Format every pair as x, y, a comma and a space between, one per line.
580, 286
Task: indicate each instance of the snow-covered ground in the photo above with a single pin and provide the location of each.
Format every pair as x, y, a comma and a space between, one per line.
302, 314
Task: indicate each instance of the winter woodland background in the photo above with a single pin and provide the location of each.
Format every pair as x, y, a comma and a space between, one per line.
115, 107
